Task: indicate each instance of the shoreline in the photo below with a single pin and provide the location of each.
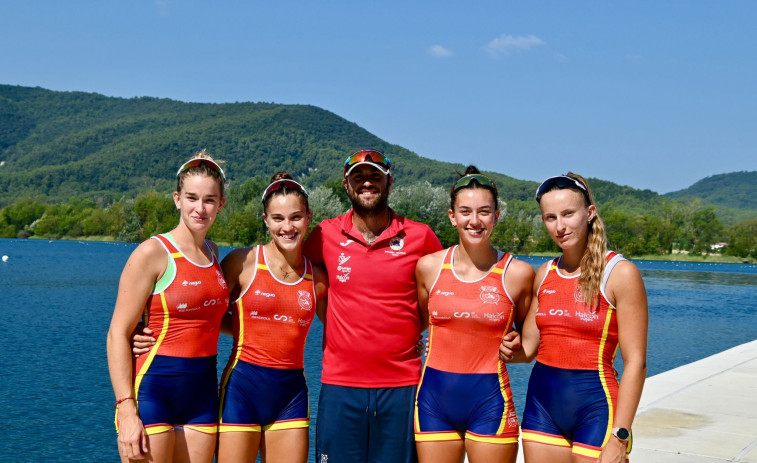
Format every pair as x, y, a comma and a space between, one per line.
677, 257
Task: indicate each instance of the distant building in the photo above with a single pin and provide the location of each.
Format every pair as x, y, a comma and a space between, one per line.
718, 246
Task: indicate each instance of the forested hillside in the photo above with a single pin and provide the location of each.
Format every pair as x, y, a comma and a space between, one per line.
735, 194
59, 145
76, 164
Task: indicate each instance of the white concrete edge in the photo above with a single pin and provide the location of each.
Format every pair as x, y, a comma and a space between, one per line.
663, 385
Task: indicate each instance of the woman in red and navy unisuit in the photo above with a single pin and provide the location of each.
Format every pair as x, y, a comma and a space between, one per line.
586, 304
470, 294
276, 292
166, 399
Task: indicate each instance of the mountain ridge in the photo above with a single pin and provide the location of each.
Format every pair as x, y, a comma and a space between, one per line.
60, 145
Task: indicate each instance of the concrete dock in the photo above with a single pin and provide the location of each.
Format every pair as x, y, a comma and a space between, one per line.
703, 412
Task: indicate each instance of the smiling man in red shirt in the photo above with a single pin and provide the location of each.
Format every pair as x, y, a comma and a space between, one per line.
370, 364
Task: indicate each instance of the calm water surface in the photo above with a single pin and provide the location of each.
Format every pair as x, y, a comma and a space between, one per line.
58, 296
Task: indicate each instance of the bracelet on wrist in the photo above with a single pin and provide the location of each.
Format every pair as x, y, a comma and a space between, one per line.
119, 401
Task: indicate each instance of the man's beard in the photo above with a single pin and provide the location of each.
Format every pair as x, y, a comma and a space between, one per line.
377, 207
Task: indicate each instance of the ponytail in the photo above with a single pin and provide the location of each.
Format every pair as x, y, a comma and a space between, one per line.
595, 257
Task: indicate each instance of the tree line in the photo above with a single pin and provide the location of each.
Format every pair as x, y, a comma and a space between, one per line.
692, 227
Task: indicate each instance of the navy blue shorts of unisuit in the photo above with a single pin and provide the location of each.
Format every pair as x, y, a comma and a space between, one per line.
255, 398
179, 392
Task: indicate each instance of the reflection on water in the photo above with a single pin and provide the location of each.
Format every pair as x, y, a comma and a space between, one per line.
697, 314
58, 299
678, 277
700, 267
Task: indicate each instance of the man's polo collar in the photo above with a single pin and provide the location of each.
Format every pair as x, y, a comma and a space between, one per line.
394, 229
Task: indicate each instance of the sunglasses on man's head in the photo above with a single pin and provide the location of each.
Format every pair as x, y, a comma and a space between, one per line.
367, 155
481, 179
196, 162
279, 184
561, 182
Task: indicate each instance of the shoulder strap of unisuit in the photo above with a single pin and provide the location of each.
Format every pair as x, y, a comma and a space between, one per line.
257, 251
170, 245
168, 276
261, 263
503, 261
612, 260
446, 264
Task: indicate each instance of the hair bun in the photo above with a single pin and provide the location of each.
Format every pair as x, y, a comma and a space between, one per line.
281, 175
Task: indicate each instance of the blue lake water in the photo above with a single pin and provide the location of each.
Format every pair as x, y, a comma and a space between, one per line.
57, 299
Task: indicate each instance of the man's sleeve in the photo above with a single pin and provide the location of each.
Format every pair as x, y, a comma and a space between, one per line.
432, 241
313, 246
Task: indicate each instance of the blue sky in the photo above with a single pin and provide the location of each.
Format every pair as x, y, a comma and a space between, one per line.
651, 94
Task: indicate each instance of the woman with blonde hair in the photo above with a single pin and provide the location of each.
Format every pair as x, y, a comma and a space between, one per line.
166, 399
586, 303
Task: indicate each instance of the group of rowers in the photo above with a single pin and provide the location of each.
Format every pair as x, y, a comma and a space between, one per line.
377, 281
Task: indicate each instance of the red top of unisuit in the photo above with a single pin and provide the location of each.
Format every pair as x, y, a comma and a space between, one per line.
272, 318
467, 319
372, 319
572, 335
185, 316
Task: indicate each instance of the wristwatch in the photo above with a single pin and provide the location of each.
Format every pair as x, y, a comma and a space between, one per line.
621, 433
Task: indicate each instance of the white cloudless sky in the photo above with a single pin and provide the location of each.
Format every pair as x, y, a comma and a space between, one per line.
651, 94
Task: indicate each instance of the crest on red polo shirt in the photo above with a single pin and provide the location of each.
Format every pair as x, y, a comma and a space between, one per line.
397, 243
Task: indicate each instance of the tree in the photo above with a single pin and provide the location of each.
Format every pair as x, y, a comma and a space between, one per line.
708, 229
742, 239
324, 204
337, 187
19, 216
244, 226
126, 213
427, 204
517, 232
157, 214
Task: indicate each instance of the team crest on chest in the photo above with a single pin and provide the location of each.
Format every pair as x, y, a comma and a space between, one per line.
305, 300
397, 243
489, 295
578, 295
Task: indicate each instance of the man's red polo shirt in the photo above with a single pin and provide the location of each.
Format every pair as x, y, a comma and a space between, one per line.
372, 319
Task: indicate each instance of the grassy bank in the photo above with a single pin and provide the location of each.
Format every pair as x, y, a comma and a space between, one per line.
678, 257
717, 258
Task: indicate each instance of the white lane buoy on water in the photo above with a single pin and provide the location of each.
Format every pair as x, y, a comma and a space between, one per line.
5, 258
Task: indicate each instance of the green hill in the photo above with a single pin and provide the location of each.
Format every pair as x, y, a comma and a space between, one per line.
734, 194
81, 164
59, 145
